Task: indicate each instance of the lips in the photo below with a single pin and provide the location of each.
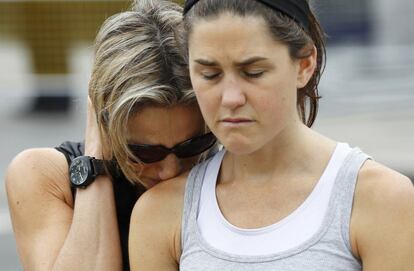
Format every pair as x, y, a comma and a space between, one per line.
236, 121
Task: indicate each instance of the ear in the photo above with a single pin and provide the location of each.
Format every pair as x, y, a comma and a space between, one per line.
307, 65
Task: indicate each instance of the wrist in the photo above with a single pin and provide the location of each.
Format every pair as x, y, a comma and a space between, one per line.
100, 182
93, 151
84, 170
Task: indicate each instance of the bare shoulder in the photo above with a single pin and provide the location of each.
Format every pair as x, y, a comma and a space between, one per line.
379, 186
156, 226
40, 203
39, 169
383, 218
163, 201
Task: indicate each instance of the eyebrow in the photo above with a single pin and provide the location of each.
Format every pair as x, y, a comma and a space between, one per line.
206, 62
250, 60
245, 62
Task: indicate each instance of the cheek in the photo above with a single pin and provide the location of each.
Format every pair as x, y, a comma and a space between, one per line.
188, 163
208, 104
204, 93
147, 170
275, 108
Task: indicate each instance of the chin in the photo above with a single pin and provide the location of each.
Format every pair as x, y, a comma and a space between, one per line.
149, 183
239, 147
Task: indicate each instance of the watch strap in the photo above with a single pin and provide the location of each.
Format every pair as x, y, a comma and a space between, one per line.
99, 167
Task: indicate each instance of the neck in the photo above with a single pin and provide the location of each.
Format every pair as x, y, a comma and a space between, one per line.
296, 150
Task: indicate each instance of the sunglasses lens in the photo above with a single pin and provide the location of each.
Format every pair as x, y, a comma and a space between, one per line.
195, 145
148, 154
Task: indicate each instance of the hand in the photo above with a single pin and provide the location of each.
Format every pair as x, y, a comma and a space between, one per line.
93, 144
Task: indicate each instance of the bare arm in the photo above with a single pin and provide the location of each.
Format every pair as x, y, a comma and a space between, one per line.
383, 219
154, 237
51, 233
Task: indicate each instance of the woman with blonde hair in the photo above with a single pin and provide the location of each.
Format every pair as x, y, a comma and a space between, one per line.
71, 205
279, 196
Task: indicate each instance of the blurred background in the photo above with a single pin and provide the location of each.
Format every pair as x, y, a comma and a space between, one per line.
46, 55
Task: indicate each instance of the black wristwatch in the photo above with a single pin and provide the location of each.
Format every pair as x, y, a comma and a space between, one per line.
84, 169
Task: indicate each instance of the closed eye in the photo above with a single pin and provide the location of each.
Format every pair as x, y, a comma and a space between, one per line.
253, 74
210, 76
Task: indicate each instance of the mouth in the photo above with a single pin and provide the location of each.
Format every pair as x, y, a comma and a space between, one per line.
150, 182
236, 121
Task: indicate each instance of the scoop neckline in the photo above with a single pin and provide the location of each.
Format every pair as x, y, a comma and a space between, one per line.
328, 218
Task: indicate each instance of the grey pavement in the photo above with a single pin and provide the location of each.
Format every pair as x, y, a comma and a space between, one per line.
368, 103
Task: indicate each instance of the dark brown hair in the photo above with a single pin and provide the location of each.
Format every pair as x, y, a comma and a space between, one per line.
285, 30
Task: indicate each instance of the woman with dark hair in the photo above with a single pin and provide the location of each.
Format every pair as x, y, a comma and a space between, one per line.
279, 196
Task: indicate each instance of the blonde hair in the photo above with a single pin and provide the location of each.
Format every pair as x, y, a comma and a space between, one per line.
137, 63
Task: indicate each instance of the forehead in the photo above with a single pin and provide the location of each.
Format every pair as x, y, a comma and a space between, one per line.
165, 125
242, 35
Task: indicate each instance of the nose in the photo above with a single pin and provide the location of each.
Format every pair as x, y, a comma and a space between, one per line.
170, 167
232, 94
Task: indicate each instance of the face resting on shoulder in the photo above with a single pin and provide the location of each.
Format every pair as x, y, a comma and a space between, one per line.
245, 81
167, 126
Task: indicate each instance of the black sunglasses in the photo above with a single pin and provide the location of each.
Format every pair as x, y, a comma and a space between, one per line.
191, 147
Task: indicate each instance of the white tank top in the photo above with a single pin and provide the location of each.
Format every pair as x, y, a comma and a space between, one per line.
289, 232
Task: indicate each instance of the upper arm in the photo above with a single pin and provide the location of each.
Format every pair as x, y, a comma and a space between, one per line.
40, 202
155, 226
383, 219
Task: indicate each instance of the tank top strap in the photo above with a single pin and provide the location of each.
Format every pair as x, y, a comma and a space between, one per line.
191, 202
344, 190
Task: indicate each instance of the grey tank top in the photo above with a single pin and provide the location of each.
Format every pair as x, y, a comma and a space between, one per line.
329, 249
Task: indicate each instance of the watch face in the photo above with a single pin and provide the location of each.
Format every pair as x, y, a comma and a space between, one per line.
78, 171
